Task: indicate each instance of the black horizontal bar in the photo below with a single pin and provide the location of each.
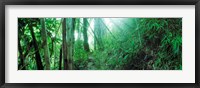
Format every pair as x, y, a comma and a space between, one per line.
100, 85
100, 2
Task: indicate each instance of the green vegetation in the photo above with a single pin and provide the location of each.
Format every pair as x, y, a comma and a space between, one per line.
99, 43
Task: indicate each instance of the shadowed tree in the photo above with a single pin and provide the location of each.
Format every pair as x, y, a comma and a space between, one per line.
70, 41
46, 48
64, 44
85, 36
98, 44
37, 53
60, 60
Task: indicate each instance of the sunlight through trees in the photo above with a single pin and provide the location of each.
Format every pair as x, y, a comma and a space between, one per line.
99, 43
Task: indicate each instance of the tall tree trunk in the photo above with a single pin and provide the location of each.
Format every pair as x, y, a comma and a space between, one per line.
53, 56
101, 33
70, 41
64, 45
60, 61
37, 53
137, 28
46, 48
98, 44
78, 28
96, 31
85, 36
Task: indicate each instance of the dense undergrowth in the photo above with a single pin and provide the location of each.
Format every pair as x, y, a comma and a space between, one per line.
154, 44
122, 44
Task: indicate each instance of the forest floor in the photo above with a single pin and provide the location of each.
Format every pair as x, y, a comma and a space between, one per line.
134, 64
91, 63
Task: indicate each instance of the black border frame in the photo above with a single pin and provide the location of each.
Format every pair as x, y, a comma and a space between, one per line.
3, 3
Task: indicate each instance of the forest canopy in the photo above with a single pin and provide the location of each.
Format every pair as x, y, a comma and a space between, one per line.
99, 43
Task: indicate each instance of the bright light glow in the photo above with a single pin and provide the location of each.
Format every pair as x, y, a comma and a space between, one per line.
91, 34
108, 23
75, 35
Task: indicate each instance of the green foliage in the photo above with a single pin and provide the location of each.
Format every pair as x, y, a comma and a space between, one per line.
166, 35
122, 43
80, 56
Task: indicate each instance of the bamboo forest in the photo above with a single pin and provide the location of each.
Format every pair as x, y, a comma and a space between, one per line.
99, 43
